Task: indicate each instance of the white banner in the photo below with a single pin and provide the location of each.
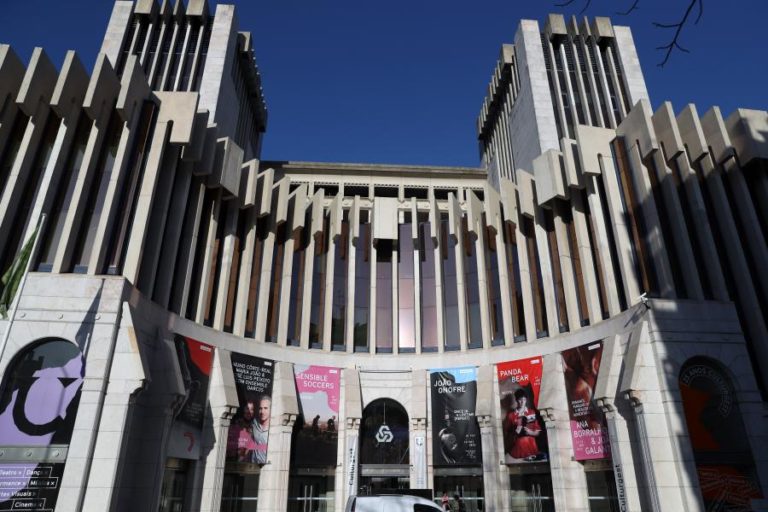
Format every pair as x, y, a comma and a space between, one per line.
352, 465
419, 463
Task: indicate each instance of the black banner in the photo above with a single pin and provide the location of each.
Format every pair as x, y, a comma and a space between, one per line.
249, 431
32, 487
455, 432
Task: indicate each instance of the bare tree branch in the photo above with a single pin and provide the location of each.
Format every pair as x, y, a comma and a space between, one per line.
675, 43
632, 7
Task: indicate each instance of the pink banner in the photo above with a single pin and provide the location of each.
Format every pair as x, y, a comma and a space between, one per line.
588, 427
316, 441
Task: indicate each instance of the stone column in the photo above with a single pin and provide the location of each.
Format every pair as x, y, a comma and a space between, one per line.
621, 457
224, 403
273, 481
649, 480
493, 486
216, 448
569, 484
351, 459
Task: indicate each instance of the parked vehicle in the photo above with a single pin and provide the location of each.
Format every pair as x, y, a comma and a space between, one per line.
390, 503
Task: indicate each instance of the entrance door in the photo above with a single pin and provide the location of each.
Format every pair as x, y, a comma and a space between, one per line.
311, 493
383, 484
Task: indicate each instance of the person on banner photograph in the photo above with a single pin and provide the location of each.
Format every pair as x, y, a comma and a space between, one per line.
248, 438
525, 438
316, 438
456, 434
589, 433
249, 432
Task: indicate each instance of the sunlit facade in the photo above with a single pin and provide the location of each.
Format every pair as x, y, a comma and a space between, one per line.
578, 323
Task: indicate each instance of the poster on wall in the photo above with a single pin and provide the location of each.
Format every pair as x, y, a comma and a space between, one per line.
249, 431
455, 432
716, 427
196, 361
38, 407
317, 436
525, 438
588, 428
32, 487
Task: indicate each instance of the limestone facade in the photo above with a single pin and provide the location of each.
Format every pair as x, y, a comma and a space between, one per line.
592, 218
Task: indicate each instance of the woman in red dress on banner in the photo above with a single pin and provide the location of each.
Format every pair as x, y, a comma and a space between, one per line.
523, 427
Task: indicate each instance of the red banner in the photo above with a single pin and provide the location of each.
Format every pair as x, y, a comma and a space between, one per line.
525, 438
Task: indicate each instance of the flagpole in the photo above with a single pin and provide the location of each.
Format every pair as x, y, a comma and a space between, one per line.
20, 291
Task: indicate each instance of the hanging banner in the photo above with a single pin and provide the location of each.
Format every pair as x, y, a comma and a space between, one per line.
38, 407
316, 439
196, 362
352, 465
588, 427
525, 438
455, 432
249, 431
33, 487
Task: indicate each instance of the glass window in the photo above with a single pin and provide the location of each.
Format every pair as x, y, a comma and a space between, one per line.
406, 292
428, 278
97, 195
513, 275
362, 283
531, 492
276, 282
471, 286
450, 287
300, 243
63, 198
494, 287
240, 492
174, 486
255, 281
384, 296
311, 492
318, 288
601, 488
537, 286
339, 295
21, 214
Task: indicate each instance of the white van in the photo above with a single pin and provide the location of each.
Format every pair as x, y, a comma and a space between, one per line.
390, 503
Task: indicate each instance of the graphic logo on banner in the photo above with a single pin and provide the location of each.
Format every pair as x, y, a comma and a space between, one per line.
317, 435
588, 427
716, 426
455, 432
38, 406
249, 432
525, 438
195, 361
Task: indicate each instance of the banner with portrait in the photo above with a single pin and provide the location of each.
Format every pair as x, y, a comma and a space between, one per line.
195, 361
249, 431
589, 431
316, 436
525, 438
455, 432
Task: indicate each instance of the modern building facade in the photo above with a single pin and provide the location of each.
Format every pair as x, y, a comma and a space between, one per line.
579, 323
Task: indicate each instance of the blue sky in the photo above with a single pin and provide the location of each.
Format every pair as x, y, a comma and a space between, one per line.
402, 81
